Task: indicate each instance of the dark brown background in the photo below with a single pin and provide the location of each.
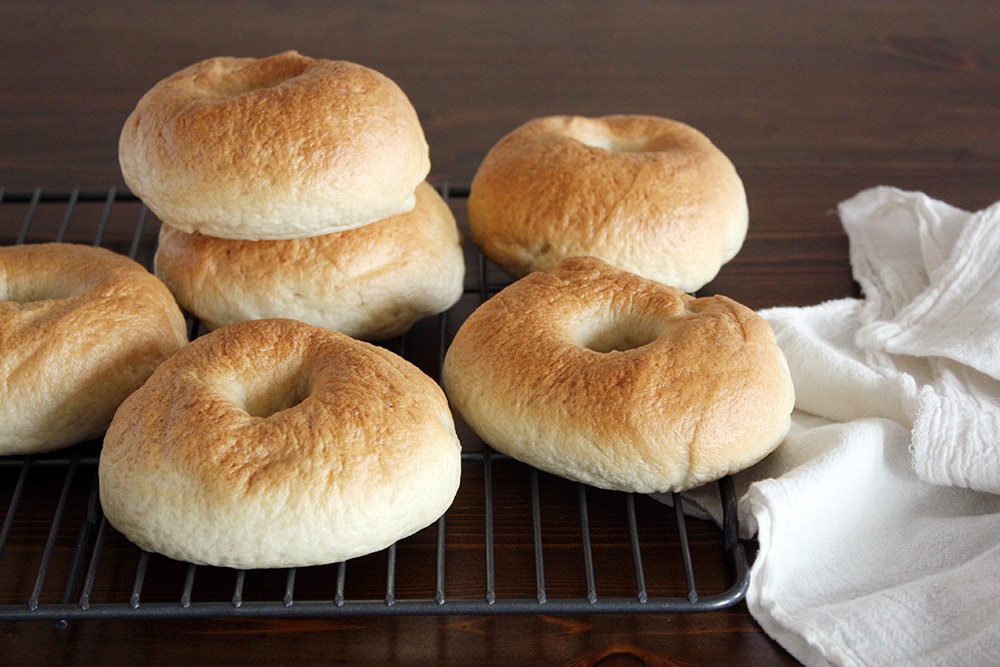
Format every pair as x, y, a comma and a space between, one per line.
811, 101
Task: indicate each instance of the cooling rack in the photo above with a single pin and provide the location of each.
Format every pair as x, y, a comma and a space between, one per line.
515, 541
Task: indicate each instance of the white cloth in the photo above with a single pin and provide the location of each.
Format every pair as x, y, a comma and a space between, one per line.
930, 274
878, 518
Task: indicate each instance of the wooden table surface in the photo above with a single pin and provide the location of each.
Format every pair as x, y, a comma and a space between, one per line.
812, 102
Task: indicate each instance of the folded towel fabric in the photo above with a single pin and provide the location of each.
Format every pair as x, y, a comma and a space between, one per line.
878, 518
861, 563
930, 274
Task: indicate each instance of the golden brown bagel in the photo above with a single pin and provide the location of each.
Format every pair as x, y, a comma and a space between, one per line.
649, 195
371, 282
610, 379
80, 329
273, 148
274, 443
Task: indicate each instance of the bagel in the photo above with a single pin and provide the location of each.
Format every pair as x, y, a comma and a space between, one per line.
273, 148
81, 327
372, 282
275, 443
648, 195
604, 377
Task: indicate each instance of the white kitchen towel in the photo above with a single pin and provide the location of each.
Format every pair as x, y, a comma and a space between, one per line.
878, 531
930, 275
861, 563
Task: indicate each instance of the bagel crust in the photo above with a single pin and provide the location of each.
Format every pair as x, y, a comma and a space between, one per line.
613, 380
648, 195
273, 148
373, 282
80, 329
275, 443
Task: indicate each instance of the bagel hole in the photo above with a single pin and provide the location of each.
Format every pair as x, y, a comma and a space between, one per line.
618, 332
282, 390
27, 292
597, 138
259, 78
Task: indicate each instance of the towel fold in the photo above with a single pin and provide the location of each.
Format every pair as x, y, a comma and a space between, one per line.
930, 274
861, 563
878, 518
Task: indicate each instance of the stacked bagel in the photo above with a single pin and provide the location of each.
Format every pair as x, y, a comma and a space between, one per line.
295, 187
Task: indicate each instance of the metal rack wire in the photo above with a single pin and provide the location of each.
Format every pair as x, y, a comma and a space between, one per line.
491, 553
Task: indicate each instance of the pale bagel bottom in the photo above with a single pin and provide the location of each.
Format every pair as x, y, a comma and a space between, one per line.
610, 379
274, 443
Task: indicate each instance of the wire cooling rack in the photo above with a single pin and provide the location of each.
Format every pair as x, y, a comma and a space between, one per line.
515, 541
